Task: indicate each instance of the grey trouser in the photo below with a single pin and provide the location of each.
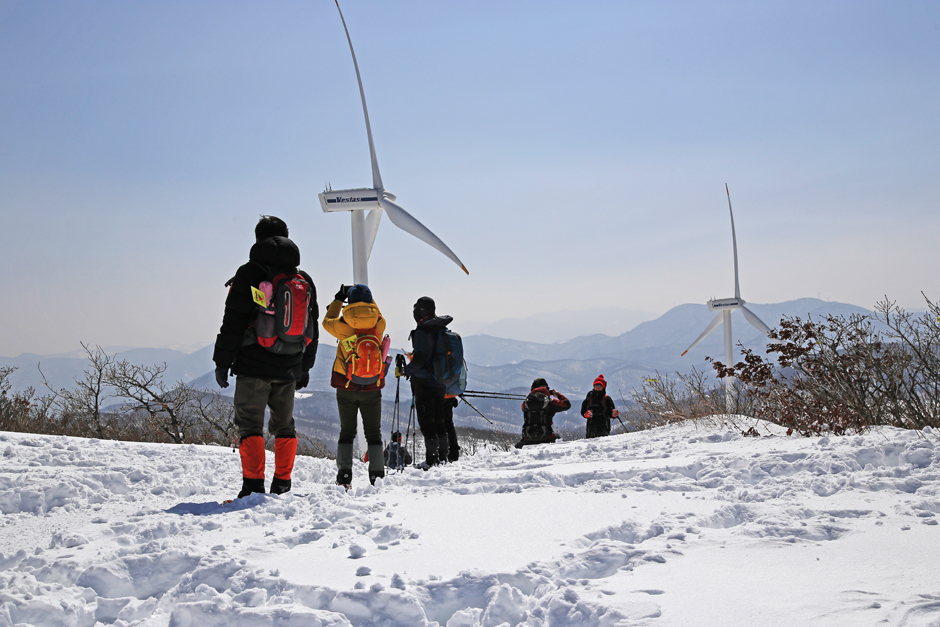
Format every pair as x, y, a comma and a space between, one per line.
350, 404
252, 395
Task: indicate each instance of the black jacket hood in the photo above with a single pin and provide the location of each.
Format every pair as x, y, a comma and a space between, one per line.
435, 322
277, 251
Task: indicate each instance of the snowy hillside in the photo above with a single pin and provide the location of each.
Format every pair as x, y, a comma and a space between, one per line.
685, 525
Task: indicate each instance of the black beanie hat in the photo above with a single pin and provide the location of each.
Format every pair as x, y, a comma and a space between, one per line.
424, 308
539, 383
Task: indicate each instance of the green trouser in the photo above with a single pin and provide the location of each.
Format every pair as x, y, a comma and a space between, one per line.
350, 404
252, 395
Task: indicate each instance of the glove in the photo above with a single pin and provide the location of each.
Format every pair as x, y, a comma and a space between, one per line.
221, 376
343, 292
303, 380
589, 414
616, 413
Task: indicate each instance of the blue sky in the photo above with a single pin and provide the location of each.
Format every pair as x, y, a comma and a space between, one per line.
573, 155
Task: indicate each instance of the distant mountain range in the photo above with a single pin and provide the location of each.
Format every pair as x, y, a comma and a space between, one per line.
559, 326
495, 363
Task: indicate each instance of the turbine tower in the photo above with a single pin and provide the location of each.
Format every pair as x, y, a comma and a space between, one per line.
374, 200
724, 307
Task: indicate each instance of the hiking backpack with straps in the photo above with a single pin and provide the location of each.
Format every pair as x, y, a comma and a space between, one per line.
366, 358
447, 362
538, 418
283, 324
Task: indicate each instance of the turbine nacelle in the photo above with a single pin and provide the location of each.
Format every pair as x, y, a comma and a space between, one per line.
722, 304
359, 199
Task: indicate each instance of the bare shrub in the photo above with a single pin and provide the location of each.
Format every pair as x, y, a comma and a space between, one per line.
81, 407
166, 411
842, 375
569, 434
913, 397
25, 412
215, 418
688, 396
313, 447
473, 440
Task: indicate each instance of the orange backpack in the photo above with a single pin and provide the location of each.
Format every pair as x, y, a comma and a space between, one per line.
365, 358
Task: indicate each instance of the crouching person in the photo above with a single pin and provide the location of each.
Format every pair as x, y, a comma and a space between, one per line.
538, 410
396, 455
358, 376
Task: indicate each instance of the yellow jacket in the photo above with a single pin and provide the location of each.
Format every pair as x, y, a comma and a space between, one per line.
344, 324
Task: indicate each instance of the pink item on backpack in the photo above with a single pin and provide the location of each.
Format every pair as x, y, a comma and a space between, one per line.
268, 291
386, 343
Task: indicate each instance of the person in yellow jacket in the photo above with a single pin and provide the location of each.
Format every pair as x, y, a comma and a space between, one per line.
356, 394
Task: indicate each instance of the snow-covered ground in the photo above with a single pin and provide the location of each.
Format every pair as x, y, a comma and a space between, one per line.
684, 525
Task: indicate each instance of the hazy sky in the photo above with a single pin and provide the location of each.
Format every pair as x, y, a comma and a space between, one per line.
572, 154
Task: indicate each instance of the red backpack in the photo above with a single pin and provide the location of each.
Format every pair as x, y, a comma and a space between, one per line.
283, 324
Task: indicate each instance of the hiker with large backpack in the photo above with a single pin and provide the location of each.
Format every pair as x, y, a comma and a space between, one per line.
538, 410
268, 340
598, 408
396, 455
358, 377
436, 365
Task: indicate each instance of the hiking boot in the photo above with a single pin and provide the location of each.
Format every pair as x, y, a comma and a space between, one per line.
423, 466
280, 486
344, 478
250, 486
376, 475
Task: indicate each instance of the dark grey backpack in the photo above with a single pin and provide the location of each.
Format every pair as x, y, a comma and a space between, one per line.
538, 418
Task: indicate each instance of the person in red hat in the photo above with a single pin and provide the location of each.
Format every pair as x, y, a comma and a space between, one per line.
598, 408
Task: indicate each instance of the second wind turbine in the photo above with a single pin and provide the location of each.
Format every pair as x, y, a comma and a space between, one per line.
724, 307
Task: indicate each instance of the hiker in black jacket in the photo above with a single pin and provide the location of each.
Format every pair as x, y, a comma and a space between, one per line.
428, 394
598, 408
263, 378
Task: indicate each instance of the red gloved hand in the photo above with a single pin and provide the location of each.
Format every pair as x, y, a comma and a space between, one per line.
616, 413
588, 414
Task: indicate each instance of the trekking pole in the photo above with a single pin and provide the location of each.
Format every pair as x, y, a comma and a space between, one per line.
460, 396
618, 414
396, 419
497, 395
414, 442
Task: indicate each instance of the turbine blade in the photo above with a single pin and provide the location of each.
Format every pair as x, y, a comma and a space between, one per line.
376, 177
756, 322
711, 327
372, 229
734, 243
406, 222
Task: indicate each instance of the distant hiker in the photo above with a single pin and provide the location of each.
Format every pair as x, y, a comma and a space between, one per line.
598, 409
270, 348
358, 376
396, 455
538, 409
428, 391
453, 449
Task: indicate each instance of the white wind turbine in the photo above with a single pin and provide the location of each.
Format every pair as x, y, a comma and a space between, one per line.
724, 307
374, 200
